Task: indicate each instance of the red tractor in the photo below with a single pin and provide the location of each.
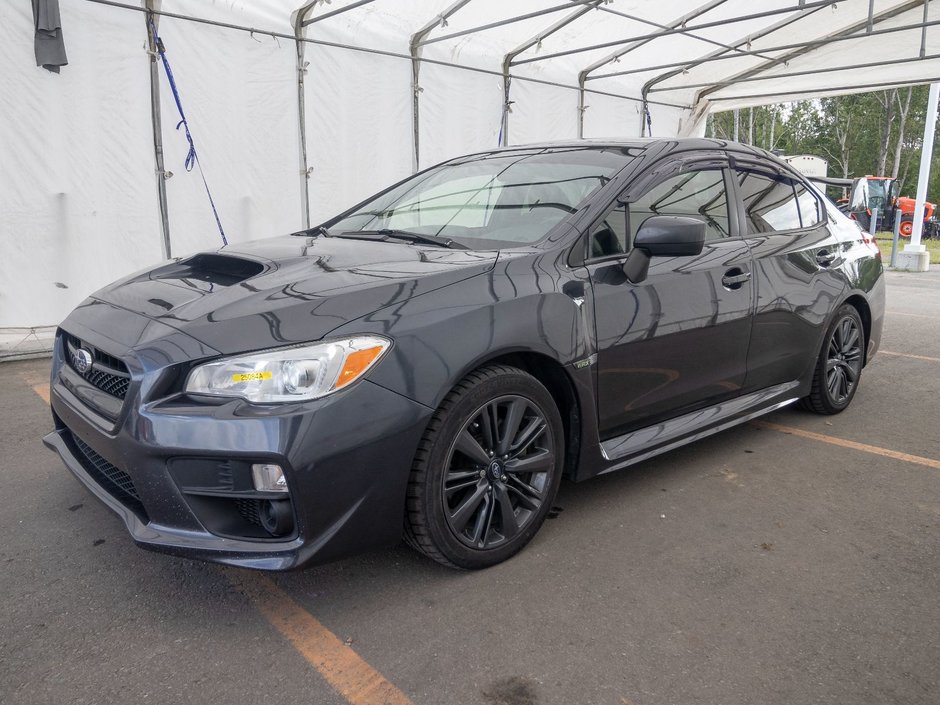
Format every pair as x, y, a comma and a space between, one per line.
881, 192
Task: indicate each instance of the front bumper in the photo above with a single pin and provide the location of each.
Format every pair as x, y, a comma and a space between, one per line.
347, 458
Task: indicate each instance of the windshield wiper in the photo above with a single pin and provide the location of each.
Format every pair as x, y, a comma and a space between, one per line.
316, 230
406, 235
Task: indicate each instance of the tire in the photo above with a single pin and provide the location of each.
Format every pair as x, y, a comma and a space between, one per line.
479, 493
839, 367
906, 227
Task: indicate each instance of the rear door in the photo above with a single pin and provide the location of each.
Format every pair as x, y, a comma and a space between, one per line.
678, 340
796, 272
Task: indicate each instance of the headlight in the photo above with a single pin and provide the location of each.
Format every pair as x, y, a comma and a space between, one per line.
289, 374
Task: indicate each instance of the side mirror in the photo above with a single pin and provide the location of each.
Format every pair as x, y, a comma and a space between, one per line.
663, 236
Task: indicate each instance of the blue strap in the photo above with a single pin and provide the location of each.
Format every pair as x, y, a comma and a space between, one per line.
649, 123
191, 157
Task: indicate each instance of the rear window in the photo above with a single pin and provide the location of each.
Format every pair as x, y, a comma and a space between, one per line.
809, 206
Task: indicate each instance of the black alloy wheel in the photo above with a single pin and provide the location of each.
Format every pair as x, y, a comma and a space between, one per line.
840, 364
487, 470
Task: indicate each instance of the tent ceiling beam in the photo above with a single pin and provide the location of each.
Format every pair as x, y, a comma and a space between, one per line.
506, 21
683, 67
651, 23
377, 52
852, 31
835, 90
793, 74
338, 11
623, 51
679, 30
782, 47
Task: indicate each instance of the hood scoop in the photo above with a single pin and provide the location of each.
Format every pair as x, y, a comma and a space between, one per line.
209, 269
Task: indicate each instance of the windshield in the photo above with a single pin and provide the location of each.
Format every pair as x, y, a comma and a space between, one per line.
490, 200
876, 193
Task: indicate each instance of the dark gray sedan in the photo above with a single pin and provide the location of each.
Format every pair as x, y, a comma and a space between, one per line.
433, 361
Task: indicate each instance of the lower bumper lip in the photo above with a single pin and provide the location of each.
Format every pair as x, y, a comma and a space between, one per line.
192, 544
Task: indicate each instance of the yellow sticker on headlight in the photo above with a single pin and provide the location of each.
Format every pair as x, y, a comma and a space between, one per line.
252, 377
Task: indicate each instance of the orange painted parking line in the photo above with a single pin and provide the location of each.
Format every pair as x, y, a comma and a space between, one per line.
913, 357
343, 668
43, 391
864, 447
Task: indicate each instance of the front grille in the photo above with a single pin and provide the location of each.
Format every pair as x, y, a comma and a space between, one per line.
117, 482
107, 373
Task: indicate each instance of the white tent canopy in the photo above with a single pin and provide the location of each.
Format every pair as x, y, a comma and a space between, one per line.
386, 86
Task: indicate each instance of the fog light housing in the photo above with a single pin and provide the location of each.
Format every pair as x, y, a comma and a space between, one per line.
276, 517
268, 477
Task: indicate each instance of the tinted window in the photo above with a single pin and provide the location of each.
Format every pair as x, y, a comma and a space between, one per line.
610, 235
769, 203
809, 206
698, 194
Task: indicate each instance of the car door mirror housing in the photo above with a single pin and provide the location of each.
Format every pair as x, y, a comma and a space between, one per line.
671, 236
663, 236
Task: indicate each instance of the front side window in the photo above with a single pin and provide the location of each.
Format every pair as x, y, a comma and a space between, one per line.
504, 198
769, 202
695, 194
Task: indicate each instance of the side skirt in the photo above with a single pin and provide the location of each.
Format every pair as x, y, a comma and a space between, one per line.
645, 443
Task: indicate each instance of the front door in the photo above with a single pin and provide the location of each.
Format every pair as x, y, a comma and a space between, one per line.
677, 341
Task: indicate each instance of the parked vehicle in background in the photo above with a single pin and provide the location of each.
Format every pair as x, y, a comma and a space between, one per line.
882, 192
433, 361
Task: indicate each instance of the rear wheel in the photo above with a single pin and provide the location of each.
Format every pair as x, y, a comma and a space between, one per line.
839, 367
486, 471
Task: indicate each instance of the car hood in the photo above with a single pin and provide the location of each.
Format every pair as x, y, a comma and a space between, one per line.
289, 289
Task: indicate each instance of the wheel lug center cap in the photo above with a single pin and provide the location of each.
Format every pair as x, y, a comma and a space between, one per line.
495, 470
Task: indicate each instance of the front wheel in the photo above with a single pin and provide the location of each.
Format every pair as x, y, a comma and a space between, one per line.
487, 470
839, 367
906, 227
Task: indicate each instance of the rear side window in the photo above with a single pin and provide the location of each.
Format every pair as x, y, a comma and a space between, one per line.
809, 206
769, 203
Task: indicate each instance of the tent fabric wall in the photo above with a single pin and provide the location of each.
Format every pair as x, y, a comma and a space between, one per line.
239, 95
78, 205
78, 189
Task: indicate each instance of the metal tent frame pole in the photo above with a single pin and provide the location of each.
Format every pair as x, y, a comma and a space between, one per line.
526, 45
584, 75
678, 30
414, 50
156, 122
298, 22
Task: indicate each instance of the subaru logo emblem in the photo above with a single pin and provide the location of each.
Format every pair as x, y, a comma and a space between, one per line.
83, 360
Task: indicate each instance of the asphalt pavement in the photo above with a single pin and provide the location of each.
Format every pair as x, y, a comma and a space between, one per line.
795, 561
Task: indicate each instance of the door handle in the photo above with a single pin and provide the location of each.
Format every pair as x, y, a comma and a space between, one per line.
824, 258
735, 278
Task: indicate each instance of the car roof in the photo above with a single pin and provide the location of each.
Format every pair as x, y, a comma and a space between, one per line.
680, 143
